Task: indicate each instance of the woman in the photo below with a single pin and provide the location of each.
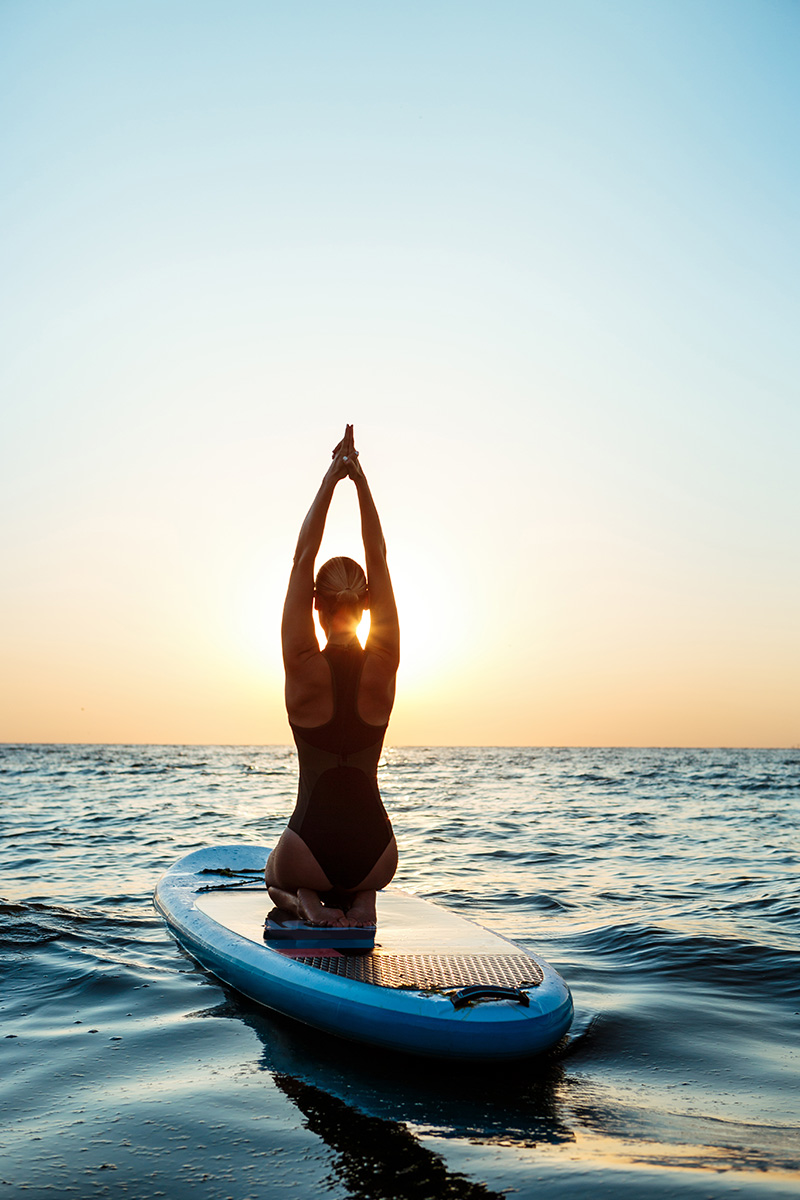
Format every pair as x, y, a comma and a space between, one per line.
339, 846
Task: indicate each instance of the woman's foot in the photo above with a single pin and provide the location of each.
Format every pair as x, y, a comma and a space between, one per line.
310, 908
305, 905
362, 913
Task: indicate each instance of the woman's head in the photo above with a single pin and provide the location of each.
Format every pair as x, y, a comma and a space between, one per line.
341, 585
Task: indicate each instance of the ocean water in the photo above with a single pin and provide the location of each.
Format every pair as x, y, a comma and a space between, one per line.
663, 884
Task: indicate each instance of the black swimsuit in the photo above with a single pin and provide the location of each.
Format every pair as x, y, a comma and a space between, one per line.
339, 813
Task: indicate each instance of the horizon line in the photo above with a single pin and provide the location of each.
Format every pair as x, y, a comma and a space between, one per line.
424, 745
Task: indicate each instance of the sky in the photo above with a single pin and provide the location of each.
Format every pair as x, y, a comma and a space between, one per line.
542, 255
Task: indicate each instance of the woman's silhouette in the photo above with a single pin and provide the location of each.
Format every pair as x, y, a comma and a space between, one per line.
339, 846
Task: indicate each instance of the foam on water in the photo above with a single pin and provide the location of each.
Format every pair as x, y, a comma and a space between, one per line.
663, 884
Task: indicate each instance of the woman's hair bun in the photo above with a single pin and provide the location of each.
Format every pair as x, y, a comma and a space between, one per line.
341, 581
349, 596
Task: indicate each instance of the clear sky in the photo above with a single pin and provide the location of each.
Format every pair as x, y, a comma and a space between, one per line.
543, 255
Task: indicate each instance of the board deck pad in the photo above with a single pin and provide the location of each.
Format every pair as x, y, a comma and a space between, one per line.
430, 972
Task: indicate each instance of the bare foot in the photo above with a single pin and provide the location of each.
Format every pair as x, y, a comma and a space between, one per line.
362, 913
310, 908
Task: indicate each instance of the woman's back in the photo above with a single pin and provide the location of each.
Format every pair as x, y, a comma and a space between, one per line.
338, 700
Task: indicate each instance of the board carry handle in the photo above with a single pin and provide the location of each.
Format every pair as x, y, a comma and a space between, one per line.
482, 991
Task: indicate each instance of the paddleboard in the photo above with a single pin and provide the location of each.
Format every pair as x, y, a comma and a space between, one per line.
432, 983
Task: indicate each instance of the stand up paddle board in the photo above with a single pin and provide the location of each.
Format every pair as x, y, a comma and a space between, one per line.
426, 982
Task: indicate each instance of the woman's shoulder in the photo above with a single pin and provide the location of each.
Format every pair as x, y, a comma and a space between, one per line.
309, 696
376, 690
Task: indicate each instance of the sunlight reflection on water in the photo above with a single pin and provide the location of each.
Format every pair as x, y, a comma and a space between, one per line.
661, 883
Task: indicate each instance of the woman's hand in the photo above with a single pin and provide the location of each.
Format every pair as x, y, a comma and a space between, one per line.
348, 455
341, 457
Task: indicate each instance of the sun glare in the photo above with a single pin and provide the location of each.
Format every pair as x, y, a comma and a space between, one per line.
431, 630
432, 627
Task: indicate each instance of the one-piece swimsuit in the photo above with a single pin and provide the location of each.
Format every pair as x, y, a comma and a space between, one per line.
339, 813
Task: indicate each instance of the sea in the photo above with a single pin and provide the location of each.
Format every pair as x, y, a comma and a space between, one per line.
662, 883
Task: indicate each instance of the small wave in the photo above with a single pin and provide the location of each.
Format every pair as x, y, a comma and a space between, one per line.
593, 777
717, 962
769, 785
32, 924
773, 906
541, 901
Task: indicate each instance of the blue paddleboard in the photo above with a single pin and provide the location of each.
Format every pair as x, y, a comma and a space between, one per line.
433, 983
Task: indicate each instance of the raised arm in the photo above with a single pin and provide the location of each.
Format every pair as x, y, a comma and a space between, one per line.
298, 635
384, 629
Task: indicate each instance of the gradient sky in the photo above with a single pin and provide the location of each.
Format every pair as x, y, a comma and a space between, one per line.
542, 255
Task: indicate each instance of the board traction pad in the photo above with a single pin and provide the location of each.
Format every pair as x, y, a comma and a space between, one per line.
429, 972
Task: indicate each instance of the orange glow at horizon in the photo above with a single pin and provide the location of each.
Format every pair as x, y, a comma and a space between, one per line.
562, 329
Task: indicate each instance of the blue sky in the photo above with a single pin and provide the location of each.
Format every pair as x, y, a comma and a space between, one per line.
542, 255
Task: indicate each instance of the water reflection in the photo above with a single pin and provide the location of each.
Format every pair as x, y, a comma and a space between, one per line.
376, 1159
371, 1107
512, 1104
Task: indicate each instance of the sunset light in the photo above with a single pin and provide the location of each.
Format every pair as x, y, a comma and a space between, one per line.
560, 323
494, 893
